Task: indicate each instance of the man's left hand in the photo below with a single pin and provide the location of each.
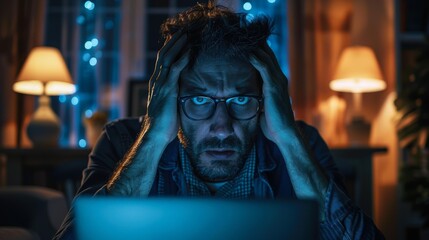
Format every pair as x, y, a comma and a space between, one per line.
277, 119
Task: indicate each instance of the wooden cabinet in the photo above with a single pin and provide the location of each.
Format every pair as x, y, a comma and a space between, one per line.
355, 164
32, 166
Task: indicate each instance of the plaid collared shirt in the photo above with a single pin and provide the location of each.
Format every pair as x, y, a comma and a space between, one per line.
241, 187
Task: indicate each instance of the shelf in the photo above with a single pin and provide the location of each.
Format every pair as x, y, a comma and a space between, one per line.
415, 38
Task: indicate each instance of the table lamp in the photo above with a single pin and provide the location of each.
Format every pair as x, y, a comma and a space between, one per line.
358, 72
44, 73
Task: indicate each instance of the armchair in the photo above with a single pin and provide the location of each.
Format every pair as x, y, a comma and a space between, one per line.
30, 212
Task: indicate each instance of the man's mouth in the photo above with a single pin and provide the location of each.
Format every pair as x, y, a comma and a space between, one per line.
220, 153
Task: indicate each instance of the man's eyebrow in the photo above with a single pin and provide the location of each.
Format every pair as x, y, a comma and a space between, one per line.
194, 89
245, 89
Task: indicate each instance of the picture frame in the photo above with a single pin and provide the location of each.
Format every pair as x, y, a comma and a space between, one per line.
137, 97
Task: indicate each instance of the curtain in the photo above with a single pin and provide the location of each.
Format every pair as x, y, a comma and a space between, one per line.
319, 31
21, 28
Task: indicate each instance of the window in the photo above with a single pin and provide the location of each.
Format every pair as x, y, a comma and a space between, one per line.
276, 10
88, 34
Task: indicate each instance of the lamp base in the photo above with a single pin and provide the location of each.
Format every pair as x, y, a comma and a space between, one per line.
44, 127
358, 131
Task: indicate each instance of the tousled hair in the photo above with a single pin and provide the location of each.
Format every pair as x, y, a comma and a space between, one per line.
216, 31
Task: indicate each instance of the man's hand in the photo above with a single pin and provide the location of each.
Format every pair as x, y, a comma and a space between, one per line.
136, 173
161, 118
277, 120
278, 125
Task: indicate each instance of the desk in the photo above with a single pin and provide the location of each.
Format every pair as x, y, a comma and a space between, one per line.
17, 160
357, 161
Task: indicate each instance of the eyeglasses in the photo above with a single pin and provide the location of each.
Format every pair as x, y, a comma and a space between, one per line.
242, 107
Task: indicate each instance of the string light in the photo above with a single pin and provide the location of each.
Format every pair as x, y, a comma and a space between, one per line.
74, 100
82, 143
89, 5
80, 19
94, 42
247, 6
88, 113
93, 61
62, 98
86, 57
88, 44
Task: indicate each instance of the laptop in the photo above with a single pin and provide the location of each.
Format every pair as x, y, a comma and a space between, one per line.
195, 218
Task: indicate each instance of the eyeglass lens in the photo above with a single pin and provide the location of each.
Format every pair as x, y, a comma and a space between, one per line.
239, 107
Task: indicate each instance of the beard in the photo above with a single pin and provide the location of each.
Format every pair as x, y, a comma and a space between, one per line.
221, 169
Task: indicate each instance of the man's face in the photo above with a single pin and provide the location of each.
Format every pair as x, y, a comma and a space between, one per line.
218, 146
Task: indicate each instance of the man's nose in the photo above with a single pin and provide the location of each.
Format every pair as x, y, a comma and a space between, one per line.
221, 122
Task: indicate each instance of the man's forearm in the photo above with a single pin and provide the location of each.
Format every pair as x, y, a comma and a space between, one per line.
136, 173
306, 175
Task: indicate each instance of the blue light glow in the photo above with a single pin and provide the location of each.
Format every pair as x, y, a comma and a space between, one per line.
62, 98
86, 57
89, 5
247, 6
82, 143
94, 42
271, 1
88, 113
74, 100
250, 17
80, 19
88, 44
93, 61
109, 24
269, 43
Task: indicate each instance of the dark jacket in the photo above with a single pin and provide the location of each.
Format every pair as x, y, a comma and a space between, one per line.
271, 177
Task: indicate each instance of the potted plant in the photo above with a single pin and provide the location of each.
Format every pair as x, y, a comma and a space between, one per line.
412, 104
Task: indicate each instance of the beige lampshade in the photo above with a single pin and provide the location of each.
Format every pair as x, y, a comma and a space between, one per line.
358, 71
44, 70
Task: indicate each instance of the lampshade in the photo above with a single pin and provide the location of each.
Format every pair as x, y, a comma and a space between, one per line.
44, 72
358, 71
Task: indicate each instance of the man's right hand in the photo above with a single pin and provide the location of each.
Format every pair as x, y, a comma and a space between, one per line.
161, 119
135, 174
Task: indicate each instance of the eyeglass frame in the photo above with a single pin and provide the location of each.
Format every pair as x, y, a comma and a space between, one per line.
182, 100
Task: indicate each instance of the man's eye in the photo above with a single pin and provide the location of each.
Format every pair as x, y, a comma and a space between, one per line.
241, 100
200, 100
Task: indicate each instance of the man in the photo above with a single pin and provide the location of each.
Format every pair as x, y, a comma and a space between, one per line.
219, 123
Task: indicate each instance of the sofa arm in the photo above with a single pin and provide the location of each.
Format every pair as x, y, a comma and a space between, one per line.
38, 209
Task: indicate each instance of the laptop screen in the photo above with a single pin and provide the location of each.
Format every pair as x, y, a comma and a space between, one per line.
195, 218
